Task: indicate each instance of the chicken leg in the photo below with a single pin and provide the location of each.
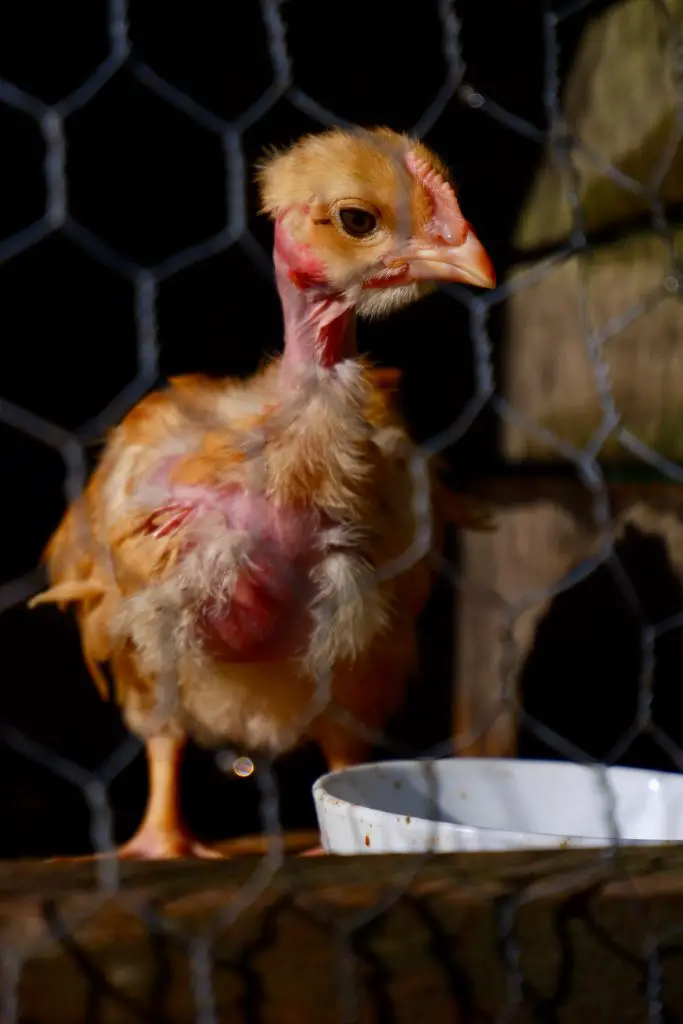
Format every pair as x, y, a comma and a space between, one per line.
163, 834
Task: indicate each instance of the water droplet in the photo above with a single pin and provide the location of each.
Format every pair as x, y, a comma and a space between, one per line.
243, 767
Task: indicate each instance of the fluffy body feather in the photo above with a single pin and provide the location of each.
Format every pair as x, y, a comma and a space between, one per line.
233, 501
224, 557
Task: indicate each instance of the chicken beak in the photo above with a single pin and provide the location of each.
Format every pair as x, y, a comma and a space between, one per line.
468, 263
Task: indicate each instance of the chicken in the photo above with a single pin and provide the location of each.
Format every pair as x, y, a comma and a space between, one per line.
226, 558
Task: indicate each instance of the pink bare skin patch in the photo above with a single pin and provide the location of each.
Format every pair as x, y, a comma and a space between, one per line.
263, 614
303, 269
320, 324
266, 617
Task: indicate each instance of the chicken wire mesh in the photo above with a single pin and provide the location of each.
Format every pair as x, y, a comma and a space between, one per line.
352, 934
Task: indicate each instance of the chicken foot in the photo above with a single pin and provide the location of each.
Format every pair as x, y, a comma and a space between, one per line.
163, 834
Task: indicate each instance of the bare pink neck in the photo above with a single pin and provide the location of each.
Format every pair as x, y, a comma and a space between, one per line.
320, 325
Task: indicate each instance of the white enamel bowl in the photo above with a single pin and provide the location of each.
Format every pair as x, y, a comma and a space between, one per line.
462, 803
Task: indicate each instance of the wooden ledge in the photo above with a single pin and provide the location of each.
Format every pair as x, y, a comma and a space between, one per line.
562, 935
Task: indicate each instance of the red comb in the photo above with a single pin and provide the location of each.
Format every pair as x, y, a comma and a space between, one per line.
447, 219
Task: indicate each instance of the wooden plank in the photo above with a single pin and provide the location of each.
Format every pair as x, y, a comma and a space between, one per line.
373, 939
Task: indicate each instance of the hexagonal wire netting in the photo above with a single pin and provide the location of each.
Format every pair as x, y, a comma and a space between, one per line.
72, 444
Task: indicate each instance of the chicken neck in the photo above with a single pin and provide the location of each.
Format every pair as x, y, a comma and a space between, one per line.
319, 322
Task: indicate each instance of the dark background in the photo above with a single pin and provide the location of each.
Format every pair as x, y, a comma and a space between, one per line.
148, 181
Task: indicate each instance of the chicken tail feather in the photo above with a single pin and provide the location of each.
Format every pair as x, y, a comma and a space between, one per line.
68, 592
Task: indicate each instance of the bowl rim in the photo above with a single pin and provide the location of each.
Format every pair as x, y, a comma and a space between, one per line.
322, 795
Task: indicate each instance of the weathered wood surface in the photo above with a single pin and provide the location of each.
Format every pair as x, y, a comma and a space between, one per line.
530, 550
609, 322
608, 319
560, 936
619, 107
545, 528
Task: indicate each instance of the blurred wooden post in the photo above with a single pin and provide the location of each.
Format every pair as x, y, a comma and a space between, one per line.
533, 548
606, 318
546, 530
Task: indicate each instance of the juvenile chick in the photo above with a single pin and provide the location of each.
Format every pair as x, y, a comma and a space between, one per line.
223, 560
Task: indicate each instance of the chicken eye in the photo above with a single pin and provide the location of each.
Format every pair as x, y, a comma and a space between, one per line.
357, 222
